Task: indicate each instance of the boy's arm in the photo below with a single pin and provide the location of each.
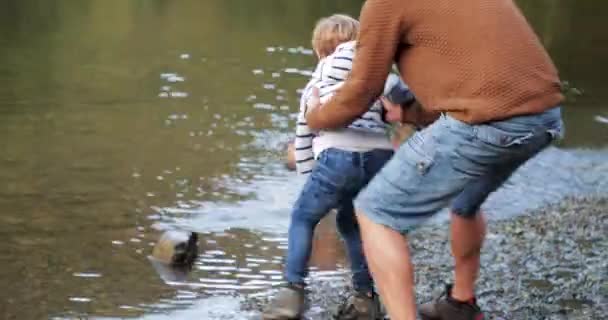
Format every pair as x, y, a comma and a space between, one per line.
381, 22
304, 156
396, 97
398, 92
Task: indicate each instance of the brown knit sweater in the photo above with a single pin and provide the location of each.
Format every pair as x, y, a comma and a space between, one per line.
478, 60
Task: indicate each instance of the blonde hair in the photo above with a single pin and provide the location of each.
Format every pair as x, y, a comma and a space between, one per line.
331, 31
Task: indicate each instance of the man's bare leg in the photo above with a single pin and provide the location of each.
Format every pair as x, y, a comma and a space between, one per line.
388, 257
467, 237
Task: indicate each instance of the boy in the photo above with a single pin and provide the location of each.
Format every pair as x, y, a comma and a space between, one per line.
340, 162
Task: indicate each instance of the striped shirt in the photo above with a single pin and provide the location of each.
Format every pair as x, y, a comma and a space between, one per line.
367, 132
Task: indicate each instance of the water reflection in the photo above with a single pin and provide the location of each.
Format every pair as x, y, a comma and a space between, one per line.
122, 118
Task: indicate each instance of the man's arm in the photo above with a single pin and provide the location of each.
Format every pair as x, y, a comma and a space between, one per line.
380, 34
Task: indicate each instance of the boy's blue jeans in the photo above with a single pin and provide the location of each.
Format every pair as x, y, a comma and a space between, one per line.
335, 181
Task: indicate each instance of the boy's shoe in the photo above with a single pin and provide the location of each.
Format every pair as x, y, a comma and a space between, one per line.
445, 307
288, 304
360, 306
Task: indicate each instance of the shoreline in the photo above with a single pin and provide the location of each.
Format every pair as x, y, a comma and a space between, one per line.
550, 263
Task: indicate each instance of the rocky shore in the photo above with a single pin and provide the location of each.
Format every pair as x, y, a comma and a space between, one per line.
547, 264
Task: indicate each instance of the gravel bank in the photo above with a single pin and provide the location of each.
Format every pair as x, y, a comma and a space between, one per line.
549, 264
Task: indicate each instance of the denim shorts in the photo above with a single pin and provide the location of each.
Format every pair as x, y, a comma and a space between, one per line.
453, 163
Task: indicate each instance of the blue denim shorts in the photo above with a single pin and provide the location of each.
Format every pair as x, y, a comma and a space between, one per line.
453, 163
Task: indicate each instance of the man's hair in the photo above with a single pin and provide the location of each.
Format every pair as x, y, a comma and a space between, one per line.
331, 31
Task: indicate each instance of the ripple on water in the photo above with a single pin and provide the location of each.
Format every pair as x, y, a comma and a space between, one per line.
87, 274
601, 119
215, 307
263, 106
291, 50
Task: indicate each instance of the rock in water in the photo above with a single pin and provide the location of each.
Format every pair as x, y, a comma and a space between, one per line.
176, 248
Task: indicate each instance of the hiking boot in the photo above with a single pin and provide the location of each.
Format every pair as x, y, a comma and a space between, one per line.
288, 304
360, 306
446, 307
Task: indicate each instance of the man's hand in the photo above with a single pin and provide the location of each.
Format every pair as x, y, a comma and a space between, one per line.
394, 112
412, 114
416, 115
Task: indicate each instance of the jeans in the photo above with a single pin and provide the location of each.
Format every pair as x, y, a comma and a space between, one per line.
335, 181
452, 161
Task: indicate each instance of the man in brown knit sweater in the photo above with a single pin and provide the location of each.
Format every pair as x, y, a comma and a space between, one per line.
480, 64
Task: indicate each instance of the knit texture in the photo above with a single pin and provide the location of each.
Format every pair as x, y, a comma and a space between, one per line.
478, 60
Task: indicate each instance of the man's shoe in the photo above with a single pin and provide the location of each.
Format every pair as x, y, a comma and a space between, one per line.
288, 304
360, 306
446, 307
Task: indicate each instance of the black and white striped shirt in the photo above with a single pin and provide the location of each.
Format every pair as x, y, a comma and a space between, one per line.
328, 77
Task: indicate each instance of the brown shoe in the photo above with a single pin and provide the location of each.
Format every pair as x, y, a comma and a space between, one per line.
445, 307
288, 304
360, 306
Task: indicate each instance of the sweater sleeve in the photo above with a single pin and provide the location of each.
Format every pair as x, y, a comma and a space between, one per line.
379, 37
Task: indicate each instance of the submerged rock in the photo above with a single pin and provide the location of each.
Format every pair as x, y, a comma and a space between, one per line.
174, 254
176, 248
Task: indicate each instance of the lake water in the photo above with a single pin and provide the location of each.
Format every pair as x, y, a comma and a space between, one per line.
123, 118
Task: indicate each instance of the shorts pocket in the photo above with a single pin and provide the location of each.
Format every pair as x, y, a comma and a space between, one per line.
501, 138
418, 152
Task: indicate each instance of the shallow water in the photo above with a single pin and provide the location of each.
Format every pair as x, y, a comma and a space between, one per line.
120, 119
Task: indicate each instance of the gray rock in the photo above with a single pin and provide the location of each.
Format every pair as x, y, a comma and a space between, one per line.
176, 248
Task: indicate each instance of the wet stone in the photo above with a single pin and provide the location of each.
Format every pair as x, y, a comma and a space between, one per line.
176, 248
